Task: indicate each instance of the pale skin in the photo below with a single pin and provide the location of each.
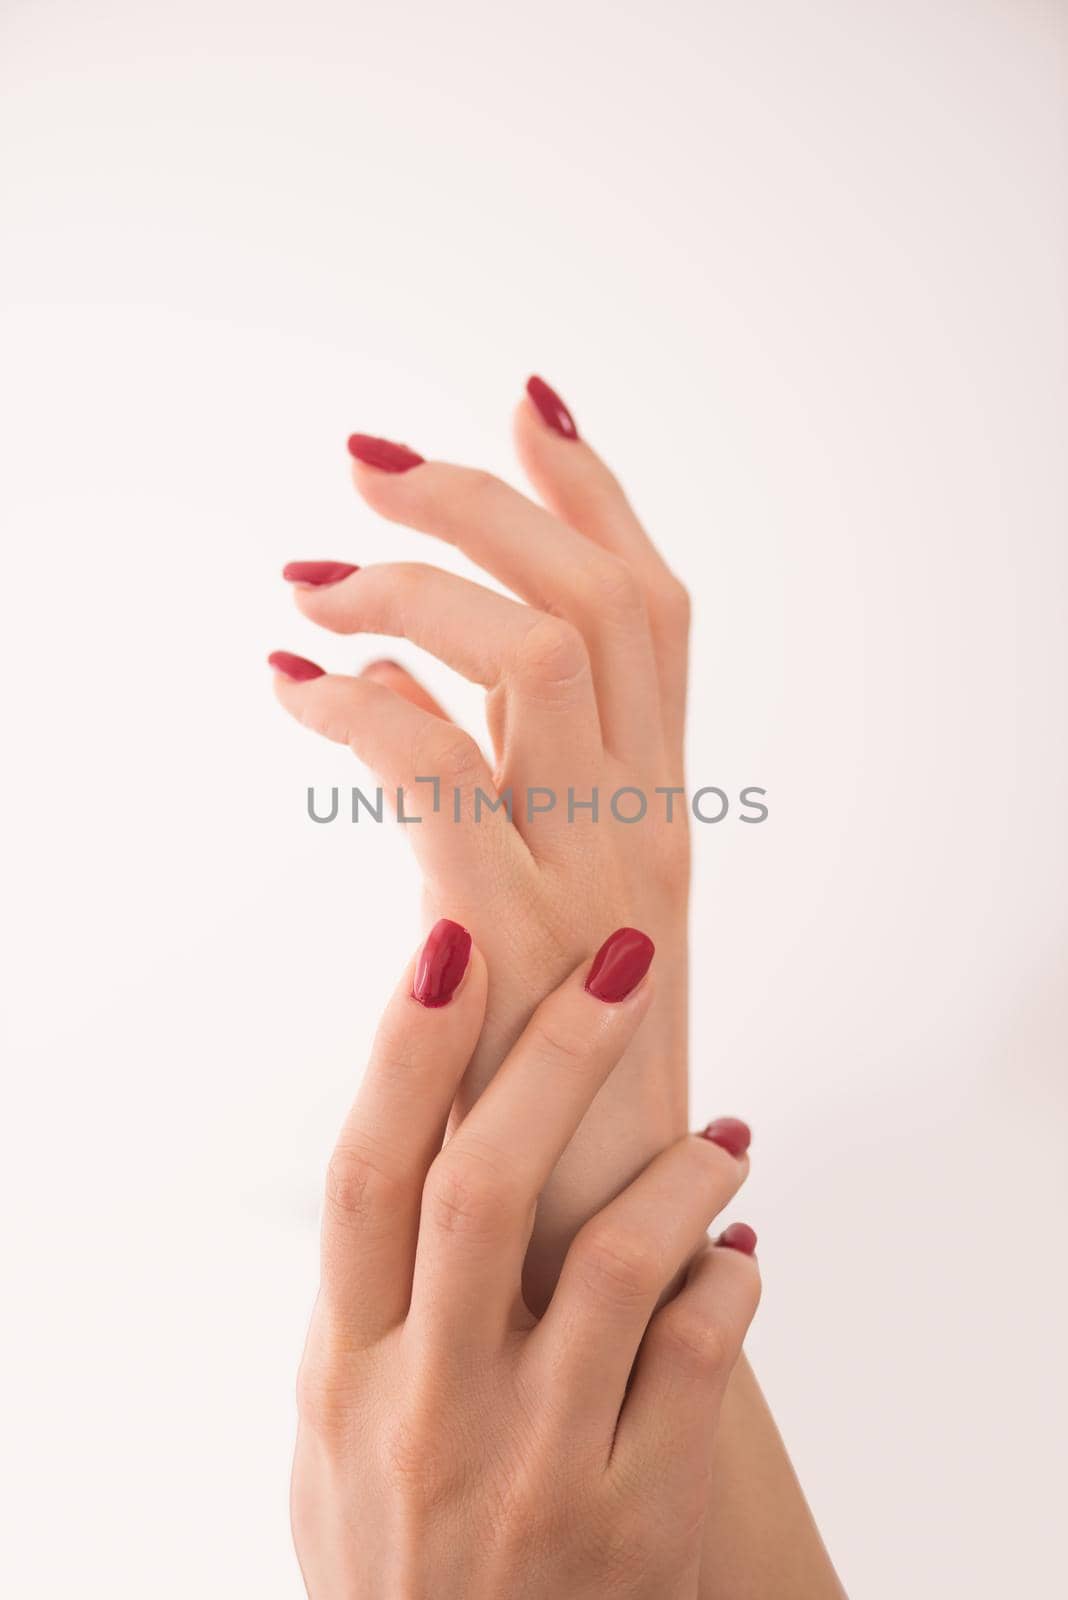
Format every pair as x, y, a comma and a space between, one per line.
586, 676
453, 1444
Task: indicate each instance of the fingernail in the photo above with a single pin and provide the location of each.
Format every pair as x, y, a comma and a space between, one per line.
294, 667
442, 963
552, 408
317, 573
739, 1236
620, 965
730, 1133
383, 454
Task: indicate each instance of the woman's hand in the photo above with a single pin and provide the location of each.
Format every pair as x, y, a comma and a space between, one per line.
586, 684
450, 1442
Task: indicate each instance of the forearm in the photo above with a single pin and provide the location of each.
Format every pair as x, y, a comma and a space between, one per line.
760, 1541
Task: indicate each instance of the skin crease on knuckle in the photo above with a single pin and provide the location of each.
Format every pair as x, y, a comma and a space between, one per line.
617, 1267
451, 756
612, 590
467, 1195
357, 1179
551, 657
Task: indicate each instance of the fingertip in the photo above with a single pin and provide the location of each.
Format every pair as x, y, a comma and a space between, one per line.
383, 455
738, 1236
442, 964
295, 669
550, 408
620, 965
317, 574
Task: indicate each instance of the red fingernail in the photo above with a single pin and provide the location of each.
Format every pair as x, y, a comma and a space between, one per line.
620, 965
383, 454
294, 667
317, 573
739, 1236
552, 408
730, 1134
442, 963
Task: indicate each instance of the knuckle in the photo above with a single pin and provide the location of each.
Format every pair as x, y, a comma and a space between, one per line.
322, 1405
687, 1337
450, 754
464, 1195
671, 601
563, 1040
619, 1268
356, 1182
420, 1465
612, 588
552, 652
476, 493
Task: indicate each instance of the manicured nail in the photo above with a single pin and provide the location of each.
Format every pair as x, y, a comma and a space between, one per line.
730, 1134
620, 965
739, 1236
442, 963
317, 573
383, 454
294, 667
552, 408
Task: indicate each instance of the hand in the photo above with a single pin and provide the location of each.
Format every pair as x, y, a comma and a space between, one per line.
586, 684
451, 1444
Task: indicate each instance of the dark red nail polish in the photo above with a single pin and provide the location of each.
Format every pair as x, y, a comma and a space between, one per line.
739, 1236
552, 408
294, 667
442, 963
383, 454
620, 965
730, 1134
317, 573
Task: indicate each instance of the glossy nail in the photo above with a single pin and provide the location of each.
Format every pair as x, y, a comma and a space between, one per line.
383, 453
294, 667
317, 574
730, 1134
552, 408
620, 965
442, 963
739, 1236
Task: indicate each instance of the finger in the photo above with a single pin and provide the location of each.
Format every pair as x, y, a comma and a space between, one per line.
551, 566
668, 1421
481, 1194
393, 1132
623, 1260
573, 481
437, 767
393, 676
397, 678
536, 663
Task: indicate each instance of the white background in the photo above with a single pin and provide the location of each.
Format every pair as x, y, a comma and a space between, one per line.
799, 269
